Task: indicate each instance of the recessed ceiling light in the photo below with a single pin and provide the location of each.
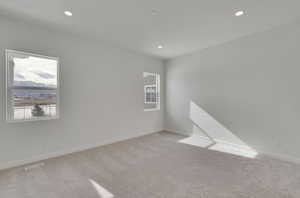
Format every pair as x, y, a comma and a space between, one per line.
239, 13
68, 13
160, 47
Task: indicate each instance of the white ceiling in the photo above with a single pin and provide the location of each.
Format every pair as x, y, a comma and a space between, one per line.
181, 26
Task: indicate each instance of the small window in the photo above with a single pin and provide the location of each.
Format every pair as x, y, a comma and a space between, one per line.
151, 91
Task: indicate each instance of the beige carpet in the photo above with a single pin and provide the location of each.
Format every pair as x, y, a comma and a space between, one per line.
153, 166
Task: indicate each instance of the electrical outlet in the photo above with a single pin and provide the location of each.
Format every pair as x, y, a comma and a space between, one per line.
34, 166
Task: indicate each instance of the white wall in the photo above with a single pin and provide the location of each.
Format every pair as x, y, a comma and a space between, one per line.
101, 95
251, 85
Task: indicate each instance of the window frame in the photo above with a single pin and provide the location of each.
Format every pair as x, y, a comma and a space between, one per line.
9, 87
157, 86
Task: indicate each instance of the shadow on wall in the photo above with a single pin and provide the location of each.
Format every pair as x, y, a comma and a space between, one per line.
209, 133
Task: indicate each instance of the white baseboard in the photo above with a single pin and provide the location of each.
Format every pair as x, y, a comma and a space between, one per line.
282, 157
205, 138
277, 156
19, 163
35, 159
177, 132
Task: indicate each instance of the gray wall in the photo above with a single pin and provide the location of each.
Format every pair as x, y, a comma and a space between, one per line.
250, 85
101, 95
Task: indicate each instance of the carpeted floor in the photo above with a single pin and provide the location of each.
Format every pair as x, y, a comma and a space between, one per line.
153, 166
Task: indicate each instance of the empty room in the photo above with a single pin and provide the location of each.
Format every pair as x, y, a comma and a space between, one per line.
149, 99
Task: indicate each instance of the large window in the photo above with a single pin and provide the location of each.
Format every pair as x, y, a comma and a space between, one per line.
151, 91
31, 87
